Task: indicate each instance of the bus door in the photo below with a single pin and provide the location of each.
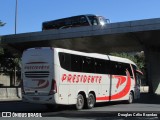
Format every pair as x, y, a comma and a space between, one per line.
138, 75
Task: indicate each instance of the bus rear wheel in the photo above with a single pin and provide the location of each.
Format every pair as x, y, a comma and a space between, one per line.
80, 102
90, 101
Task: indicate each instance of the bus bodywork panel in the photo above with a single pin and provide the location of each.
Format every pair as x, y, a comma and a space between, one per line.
37, 74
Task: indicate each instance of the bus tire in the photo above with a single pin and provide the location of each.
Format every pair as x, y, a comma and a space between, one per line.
131, 98
90, 101
80, 102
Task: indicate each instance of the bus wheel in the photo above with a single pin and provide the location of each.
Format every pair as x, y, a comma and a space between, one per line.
90, 101
80, 102
130, 100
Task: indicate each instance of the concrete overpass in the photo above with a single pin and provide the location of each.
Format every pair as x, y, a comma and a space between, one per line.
115, 37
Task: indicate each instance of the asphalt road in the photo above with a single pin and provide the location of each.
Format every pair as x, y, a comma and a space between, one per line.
147, 107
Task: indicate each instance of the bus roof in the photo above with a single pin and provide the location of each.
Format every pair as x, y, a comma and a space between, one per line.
96, 55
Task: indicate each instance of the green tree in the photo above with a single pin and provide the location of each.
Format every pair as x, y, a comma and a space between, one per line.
137, 57
1, 49
9, 64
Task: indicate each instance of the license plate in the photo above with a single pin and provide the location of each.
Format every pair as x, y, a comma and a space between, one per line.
35, 98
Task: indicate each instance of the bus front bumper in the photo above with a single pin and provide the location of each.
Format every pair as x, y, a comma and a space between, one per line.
39, 99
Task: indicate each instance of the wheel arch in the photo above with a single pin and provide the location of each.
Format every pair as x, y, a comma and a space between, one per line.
83, 93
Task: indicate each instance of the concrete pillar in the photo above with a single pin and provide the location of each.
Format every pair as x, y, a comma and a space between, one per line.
153, 69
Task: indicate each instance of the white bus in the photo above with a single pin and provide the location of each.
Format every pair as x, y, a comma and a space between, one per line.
55, 76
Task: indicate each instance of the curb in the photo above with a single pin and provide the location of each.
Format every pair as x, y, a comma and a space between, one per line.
10, 99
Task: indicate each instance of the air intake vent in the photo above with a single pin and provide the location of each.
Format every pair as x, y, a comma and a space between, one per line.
37, 74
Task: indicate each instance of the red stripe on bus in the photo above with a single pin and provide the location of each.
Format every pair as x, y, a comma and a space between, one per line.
40, 84
103, 98
120, 94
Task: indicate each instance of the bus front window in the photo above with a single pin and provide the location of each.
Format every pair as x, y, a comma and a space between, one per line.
93, 20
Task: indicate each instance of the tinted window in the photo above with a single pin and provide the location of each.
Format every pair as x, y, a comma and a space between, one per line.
118, 68
66, 23
88, 65
108, 67
76, 63
134, 67
93, 20
129, 69
113, 67
100, 66
65, 61
121, 69
83, 21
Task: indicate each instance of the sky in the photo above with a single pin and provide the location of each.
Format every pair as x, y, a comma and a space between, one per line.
31, 13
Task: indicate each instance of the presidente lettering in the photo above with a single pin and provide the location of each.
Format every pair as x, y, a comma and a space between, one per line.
37, 67
69, 78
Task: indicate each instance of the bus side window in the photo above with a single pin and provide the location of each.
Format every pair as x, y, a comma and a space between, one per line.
88, 65
100, 66
118, 68
83, 21
113, 68
76, 63
64, 59
108, 67
121, 69
128, 67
